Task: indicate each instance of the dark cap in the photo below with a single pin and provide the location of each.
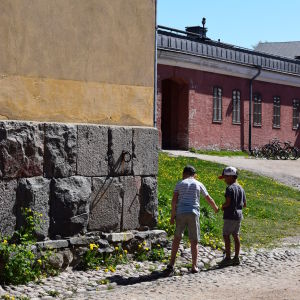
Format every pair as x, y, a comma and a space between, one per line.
189, 170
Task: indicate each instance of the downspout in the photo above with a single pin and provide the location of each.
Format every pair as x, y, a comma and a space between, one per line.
155, 72
250, 106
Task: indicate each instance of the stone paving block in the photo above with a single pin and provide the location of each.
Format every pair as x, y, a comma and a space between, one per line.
21, 149
53, 244
7, 207
92, 159
118, 237
106, 204
120, 150
60, 150
145, 151
131, 202
70, 198
149, 202
34, 193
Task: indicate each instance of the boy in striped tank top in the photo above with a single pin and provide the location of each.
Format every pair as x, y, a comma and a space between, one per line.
186, 212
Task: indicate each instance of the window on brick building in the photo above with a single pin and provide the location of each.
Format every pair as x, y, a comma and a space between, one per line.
276, 112
296, 113
236, 107
257, 110
217, 104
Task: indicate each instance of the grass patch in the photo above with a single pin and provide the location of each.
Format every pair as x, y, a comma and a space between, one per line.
273, 209
220, 152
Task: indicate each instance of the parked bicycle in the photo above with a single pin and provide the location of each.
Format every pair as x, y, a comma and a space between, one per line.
277, 150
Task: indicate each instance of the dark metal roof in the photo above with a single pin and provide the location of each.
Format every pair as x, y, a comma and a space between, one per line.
193, 44
287, 49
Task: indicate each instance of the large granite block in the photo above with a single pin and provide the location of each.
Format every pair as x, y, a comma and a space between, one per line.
106, 204
149, 202
34, 193
60, 150
7, 207
92, 150
131, 202
145, 151
70, 198
120, 150
21, 149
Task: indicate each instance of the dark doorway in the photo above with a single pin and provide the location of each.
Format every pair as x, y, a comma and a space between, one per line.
174, 114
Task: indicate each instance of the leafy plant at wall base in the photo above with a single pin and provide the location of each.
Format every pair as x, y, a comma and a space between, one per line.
18, 262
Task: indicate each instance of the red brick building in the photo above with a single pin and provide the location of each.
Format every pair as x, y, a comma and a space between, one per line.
204, 91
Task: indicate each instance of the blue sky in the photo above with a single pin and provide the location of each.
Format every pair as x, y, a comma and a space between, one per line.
239, 22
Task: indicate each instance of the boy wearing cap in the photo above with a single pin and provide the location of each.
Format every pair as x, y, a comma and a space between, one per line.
185, 210
235, 200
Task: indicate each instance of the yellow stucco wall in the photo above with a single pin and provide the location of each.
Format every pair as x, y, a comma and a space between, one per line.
77, 61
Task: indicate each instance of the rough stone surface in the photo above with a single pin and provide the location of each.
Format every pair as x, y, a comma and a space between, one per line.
106, 204
120, 151
131, 202
149, 202
56, 260
7, 207
34, 193
67, 257
53, 244
60, 150
21, 149
119, 236
265, 274
81, 240
92, 150
145, 151
70, 199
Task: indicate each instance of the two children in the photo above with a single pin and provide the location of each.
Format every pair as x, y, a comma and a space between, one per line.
186, 211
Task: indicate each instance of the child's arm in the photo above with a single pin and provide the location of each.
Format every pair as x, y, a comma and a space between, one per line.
174, 203
245, 203
212, 203
227, 203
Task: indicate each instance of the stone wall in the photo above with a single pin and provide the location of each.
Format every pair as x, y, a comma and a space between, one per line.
81, 177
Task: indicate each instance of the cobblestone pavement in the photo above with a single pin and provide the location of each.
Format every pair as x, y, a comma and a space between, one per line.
285, 171
263, 274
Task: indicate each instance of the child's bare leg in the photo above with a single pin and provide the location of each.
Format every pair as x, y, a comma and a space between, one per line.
175, 246
237, 244
194, 250
227, 245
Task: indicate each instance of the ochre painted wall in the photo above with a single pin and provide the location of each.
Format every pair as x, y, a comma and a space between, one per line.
73, 60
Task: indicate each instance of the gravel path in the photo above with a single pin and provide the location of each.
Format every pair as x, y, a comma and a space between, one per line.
285, 171
263, 274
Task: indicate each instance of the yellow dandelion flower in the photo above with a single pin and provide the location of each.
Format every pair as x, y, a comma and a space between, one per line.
144, 243
39, 261
92, 246
140, 246
147, 249
97, 268
120, 255
125, 251
116, 248
106, 270
4, 242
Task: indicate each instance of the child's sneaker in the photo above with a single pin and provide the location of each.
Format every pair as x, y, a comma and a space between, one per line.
169, 270
225, 262
235, 261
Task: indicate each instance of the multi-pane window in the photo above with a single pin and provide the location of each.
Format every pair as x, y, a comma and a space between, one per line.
257, 110
276, 112
296, 113
236, 107
217, 105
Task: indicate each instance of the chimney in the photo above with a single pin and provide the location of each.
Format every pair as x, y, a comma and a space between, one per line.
200, 30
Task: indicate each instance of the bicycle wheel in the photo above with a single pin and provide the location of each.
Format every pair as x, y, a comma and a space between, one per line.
295, 153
